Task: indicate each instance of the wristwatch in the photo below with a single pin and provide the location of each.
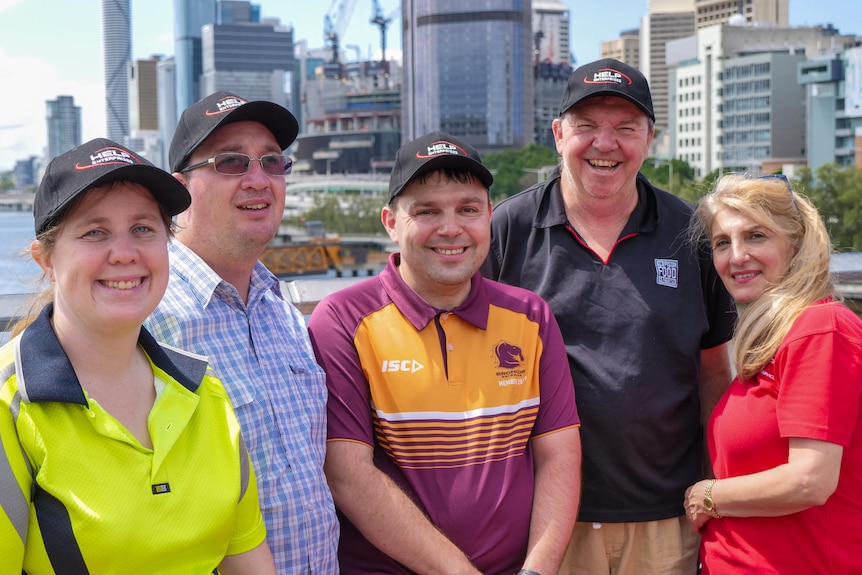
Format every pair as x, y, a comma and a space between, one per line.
708, 503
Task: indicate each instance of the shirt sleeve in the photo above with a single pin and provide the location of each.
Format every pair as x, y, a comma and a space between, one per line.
348, 408
250, 530
15, 486
820, 377
558, 409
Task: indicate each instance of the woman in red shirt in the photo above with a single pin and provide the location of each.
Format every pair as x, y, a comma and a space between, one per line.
785, 440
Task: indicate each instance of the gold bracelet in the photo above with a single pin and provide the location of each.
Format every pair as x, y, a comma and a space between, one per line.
708, 502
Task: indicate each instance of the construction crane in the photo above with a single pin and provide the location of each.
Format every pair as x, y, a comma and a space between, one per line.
334, 23
381, 21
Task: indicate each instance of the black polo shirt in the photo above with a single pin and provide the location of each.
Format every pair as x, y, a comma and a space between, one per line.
634, 327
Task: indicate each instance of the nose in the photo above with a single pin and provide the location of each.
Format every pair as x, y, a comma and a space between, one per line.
123, 249
448, 225
738, 253
605, 139
255, 178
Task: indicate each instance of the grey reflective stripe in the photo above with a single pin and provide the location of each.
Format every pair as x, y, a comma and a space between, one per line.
15, 408
243, 468
15, 504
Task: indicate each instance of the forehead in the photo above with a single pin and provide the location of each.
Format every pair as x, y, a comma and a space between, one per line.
438, 188
728, 220
238, 136
603, 105
113, 194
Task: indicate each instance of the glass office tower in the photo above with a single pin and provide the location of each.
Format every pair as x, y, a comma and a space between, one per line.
468, 71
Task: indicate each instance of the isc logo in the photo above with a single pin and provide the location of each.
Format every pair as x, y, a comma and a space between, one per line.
408, 365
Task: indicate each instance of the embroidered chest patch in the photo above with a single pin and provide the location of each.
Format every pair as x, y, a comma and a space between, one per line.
667, 273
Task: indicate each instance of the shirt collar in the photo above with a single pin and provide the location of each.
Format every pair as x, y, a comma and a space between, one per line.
45, 374
419, 313
204, 281
552, 210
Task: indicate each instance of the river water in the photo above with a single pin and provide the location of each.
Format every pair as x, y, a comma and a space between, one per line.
18, 272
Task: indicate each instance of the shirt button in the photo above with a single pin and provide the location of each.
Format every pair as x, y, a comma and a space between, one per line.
450, 347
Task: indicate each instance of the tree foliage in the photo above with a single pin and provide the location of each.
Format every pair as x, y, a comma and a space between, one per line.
516, 170
345, 214
837, 193
676, 176
6, 182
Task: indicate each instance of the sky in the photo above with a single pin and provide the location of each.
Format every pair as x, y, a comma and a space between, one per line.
52, 49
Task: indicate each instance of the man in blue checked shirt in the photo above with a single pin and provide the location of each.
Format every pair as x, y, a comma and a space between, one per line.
223, 303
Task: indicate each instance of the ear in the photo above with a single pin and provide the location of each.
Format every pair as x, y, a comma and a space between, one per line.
43, 259
557, 129
387, 218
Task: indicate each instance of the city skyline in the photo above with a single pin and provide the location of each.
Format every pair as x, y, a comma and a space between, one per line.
40, 62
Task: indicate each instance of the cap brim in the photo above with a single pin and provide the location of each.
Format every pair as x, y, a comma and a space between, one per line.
447, 161
167, 190
616, 94
275, 118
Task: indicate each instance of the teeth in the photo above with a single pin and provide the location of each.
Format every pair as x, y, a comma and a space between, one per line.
450, 252
123, 285
603, 163
746, 276
254, 207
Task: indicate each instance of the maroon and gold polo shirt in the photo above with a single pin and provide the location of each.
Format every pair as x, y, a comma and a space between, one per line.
449, 401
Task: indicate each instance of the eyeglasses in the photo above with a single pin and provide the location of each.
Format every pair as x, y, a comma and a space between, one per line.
235, 164
782, 178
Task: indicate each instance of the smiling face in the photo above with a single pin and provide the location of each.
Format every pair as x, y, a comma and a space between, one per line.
232, 217
748, 256
109, 262
603, 142
442, 228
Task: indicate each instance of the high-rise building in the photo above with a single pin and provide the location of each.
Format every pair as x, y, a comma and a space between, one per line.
24, 173
143, 95
736, 100
236, 11
144, 135
626, 48
833, 97
117, 38
666, 20
190, 16
551, 42
167, 102
467, 71
63, 120
252, 60
552, 64
754, 12
669, 20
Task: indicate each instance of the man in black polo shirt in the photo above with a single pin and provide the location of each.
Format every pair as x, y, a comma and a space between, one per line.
644, 317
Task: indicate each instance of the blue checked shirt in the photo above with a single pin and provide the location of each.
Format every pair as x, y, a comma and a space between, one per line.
262, 354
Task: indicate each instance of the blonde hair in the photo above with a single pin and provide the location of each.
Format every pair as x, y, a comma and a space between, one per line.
772, 203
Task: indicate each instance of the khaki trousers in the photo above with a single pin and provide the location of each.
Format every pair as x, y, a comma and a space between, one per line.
666, 547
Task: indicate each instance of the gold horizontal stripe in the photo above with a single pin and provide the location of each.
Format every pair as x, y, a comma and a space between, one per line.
456, 449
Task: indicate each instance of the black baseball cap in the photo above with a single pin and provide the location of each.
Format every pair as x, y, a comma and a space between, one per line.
608, 77
98, 162
205, 116
432, 152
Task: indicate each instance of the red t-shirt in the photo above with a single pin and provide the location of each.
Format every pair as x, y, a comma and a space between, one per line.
811, 389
